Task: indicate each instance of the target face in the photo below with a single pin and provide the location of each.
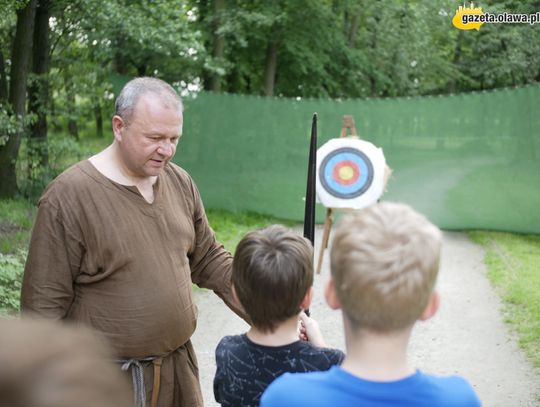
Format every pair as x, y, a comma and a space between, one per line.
346, 173
350, 173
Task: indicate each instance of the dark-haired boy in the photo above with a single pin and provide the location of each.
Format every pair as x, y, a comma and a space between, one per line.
272, 278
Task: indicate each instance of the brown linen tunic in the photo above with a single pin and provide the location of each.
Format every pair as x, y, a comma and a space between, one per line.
103, 256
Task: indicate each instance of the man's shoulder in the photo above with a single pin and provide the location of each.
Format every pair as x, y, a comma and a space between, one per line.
73, 173
70, 181
174, 170
176, 178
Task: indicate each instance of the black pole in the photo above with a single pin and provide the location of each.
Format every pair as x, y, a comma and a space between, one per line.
309, 213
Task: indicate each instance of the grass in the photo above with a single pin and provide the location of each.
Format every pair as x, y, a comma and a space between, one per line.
16, 220
512, 265
231, 227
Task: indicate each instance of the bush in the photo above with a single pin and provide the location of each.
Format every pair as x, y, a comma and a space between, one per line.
11, 272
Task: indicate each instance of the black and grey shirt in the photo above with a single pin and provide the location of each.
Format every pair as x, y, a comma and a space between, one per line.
245, 369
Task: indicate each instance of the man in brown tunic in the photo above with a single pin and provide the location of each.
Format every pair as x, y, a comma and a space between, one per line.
118, 241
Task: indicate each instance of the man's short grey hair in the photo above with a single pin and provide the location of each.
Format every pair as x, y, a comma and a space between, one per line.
134, 89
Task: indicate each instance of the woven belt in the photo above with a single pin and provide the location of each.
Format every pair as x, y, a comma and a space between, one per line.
137, 375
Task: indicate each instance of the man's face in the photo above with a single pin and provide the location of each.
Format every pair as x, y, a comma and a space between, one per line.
149, 140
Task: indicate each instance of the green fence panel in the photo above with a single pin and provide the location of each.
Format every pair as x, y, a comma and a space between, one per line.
465, 161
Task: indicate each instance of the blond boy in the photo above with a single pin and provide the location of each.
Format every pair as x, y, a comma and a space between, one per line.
384, 265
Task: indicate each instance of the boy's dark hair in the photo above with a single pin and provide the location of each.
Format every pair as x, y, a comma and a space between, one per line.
272, 272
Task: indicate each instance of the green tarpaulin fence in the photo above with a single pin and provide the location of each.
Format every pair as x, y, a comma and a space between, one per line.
465, 161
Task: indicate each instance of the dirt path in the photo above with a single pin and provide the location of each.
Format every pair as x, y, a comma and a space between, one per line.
467, 336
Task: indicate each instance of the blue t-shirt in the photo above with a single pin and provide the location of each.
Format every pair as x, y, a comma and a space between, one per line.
245, 369
337, 387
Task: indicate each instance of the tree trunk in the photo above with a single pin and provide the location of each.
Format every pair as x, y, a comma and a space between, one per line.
20, 65
219, 44
141, 69
270, 68
352, 30
99, 119
120, 60
3, 79
38, 92
372, 79
452, 85
72, 127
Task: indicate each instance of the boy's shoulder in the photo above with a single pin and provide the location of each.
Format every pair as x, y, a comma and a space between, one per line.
304, 353
231, 343
232, 340
338, 387
325, 356
450, 390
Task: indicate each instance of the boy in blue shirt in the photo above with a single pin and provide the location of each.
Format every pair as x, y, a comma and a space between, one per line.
272, 278
384, 264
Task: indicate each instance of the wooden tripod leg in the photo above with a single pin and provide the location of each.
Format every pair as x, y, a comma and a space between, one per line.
326, 236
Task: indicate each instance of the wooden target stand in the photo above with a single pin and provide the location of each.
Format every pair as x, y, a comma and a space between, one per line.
347, 124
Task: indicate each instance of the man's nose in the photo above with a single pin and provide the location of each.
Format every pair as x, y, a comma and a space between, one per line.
166, 148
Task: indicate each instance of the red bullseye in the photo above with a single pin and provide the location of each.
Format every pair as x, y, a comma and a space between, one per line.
346, 172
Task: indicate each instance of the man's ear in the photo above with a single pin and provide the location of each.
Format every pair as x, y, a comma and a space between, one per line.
306, 302
117, 126
431, 307
330, 295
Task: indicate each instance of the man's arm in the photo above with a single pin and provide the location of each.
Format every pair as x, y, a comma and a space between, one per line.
47, 288
210, 262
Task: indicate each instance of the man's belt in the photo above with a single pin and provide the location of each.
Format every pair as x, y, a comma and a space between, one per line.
137, 375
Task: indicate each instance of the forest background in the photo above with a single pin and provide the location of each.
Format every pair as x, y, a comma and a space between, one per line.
60, 60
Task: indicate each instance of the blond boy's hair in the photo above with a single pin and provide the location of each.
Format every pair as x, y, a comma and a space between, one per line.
384, 263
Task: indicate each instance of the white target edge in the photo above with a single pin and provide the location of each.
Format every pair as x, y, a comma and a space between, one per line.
375, 190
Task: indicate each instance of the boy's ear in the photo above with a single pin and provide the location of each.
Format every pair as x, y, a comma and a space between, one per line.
234, 295
431, 307
306, 302
330, 295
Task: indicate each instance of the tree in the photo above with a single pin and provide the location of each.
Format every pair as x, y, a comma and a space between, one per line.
20, 67
38, 92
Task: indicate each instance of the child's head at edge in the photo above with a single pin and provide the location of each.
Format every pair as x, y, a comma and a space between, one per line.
384, 265
272, 275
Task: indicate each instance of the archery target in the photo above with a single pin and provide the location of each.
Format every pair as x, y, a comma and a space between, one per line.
350, 173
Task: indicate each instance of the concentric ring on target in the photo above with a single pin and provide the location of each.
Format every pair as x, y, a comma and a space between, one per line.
346, 173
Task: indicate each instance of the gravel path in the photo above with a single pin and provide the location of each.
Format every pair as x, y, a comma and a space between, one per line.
467, 336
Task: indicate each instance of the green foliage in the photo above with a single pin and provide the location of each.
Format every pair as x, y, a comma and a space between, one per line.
512, 262
361, 48
16, 220
63, 151
11, 272
9, 123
